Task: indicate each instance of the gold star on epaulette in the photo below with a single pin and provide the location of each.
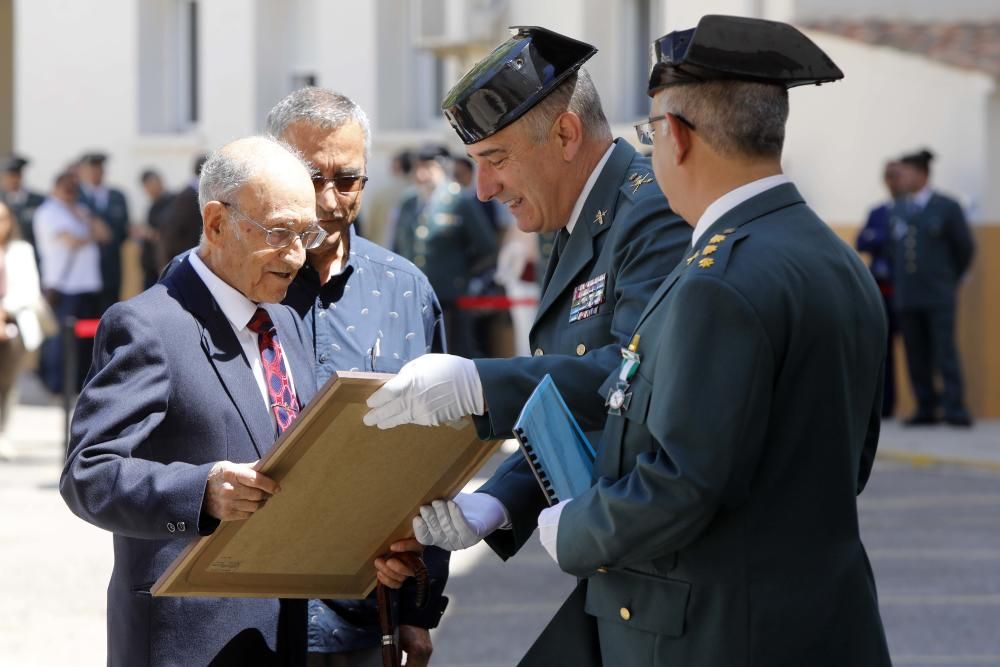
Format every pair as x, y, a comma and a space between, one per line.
691, 258
718, 238
599, 217
637, 180
706, 262
709, 249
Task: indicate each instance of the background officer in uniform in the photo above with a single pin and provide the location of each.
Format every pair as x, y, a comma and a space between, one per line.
109, 205
723, 528
532, 120
447, 235
21, 201
932, 250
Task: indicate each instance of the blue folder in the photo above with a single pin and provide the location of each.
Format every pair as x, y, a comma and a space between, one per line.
557, 450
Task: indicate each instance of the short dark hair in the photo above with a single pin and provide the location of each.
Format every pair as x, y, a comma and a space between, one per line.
736, 118
921, 160
148, 174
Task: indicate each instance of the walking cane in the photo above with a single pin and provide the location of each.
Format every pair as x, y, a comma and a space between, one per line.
390, 649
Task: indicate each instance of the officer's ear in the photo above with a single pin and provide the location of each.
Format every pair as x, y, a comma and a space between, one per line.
679, 136
568, 130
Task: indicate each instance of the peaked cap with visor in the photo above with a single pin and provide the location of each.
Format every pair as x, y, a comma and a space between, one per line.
742, 49
515, 77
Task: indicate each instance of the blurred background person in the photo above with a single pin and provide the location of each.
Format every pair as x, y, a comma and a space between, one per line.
21, 201
110, 206
149, 236
449, 238
875, 238
19, 295
932, 250
180, 227
68, 238
385, 202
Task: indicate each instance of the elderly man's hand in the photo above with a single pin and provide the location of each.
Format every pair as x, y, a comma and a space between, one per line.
392, 572
234, 491
430, 390
416, 643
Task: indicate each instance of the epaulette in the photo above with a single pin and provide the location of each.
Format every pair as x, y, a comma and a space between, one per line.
714, 255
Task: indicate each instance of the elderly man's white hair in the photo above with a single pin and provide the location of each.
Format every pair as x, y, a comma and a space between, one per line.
322, 107
226, 171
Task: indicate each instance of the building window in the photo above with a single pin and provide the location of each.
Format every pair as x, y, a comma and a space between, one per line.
168, 66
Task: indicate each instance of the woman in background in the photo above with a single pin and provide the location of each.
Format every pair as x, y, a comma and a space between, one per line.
19, 326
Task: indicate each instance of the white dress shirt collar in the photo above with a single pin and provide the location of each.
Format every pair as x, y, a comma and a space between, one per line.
238, 309
922, 197
587, 187
732, 199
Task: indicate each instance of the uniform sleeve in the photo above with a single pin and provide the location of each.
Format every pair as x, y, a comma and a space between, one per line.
647, 250
960, 237
103, 482
706, 417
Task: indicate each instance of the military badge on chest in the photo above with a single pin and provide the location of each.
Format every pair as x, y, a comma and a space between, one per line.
587, 298
620, 396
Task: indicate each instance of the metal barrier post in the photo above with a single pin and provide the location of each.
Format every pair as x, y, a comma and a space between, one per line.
71, 364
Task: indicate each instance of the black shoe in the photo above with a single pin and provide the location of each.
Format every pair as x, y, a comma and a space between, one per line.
959, 420
921, 419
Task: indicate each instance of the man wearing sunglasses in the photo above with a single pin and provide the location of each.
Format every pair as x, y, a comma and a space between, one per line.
368, 309
192, 381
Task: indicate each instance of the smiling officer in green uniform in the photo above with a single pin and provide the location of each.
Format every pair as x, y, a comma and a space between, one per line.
532, 120
723, 527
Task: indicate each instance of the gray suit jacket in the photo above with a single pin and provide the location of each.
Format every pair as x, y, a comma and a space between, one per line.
169, 394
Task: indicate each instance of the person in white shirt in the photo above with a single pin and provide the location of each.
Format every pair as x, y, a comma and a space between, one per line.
67, 239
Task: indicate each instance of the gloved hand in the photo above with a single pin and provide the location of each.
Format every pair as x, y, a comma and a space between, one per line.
459, 523
430, 390
548, 528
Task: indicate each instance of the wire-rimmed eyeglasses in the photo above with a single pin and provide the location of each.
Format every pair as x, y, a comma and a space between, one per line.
646, 131
282, 237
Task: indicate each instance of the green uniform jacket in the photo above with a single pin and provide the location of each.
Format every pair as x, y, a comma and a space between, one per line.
23, 208
722, 530
447, 238
629, 248
932, 248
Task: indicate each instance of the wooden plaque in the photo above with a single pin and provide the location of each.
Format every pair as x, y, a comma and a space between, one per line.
348, 492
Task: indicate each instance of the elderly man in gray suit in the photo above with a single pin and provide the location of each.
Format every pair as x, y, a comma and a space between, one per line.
192, 381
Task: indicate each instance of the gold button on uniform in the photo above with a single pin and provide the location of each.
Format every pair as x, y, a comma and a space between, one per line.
625, 613
602, 570
422, 232
538, 352
581, 350
420, 261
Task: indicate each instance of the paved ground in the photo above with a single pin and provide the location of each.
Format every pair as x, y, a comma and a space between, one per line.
932, 530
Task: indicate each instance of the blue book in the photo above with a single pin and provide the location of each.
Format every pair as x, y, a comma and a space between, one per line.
557, 450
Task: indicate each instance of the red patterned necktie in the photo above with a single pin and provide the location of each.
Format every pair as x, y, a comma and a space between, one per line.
283, 401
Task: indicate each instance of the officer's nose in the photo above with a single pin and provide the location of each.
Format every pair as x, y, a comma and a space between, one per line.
487, 184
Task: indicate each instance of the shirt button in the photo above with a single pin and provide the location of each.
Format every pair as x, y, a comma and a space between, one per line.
171, 527
625, 613
581, 350
539, 352
323, 358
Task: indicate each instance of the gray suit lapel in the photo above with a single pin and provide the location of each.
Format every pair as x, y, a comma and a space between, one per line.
223, 350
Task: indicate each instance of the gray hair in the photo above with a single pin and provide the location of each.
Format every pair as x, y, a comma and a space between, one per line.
577, 94
322, 107
735, 118
225, 172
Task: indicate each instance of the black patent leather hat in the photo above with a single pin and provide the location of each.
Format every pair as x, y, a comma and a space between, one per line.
515, 77
742, 49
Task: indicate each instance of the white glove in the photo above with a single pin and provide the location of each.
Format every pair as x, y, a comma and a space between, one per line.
548, 528
459, 523
430, 390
